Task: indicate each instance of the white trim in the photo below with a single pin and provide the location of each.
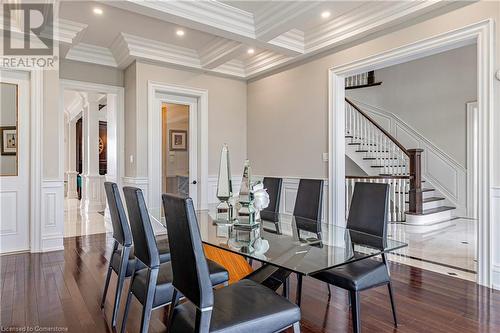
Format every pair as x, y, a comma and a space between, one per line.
36, 156
495, 216
92, 54
472, 160
201, 95
483, 33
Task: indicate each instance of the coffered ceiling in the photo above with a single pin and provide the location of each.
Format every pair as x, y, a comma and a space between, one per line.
241, 39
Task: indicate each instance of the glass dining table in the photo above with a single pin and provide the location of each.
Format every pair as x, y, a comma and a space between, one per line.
292, 243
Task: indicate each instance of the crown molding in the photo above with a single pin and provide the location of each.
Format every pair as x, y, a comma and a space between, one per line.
215, 16
291, 40
263, 62
363, 20
278, 17
235, 68
69, 32
219, 51
92, 54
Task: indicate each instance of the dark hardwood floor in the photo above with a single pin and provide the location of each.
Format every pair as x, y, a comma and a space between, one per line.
63, 289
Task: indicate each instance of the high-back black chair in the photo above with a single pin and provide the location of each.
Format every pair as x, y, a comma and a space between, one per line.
122, 260
273, 186
367, 214
151, 285
309, 201
221, 309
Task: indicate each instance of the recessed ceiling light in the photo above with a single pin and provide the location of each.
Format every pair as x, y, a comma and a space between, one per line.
251, 51
180, 32
325, 14
98, 11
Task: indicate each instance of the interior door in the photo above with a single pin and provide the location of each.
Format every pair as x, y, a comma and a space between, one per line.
14, 161
179, 146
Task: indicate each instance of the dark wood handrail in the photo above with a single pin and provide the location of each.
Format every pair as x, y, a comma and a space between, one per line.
393, 139
378, 177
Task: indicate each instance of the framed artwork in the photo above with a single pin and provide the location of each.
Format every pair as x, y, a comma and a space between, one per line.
178, 140
8, 137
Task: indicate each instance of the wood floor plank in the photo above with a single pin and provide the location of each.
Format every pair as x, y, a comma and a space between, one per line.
64, 289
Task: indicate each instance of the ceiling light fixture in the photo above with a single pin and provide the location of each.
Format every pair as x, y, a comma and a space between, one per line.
325, 14
180, 32
251, 51
98, 11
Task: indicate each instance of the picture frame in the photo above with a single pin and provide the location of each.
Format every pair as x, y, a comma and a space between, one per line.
8, 140
178, 140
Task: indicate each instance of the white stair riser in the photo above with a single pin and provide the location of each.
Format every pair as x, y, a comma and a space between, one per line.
428, 219
429, 194
423, 229
434, 204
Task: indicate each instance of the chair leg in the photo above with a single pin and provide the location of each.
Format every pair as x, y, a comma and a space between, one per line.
148, 304
393, 305
108, 276
119, 285
175, 299
286, 287
202, 321
106, 285
296, 327
299, 289
329, 291
127, 305
356, 320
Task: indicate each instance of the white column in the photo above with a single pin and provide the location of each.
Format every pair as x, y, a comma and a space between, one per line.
71, 173
112, 146
91, 181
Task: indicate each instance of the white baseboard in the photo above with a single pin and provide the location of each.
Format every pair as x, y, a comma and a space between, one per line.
495, 218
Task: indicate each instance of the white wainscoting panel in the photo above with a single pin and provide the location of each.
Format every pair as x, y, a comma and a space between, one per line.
495, 218
52, 215
8, 212
440, 170
139, 182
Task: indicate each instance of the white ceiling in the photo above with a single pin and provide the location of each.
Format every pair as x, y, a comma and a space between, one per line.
218, 34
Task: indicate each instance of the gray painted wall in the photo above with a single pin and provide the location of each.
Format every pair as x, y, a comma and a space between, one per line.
227, 114
429, 94
289, 109
82, 71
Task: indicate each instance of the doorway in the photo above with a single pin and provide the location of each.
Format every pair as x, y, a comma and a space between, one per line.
93, 147
480, 33
177, 149
14, 161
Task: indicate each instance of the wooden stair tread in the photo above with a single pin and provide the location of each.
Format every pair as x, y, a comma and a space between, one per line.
433, 210
423, 190
388, 166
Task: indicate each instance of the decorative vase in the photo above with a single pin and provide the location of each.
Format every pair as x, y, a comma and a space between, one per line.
224, 187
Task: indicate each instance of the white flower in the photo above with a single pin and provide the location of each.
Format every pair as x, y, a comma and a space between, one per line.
261, 198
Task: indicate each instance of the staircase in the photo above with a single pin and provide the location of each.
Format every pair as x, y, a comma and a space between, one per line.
385, 160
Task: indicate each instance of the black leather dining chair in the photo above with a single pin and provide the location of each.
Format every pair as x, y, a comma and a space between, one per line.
244, 306
273, 186
367, 214
122, 260
151, 285
308, 205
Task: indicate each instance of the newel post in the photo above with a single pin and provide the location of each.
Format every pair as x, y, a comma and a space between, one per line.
416, 200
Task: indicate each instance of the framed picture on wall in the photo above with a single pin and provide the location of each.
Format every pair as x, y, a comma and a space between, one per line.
8, 136
178, 140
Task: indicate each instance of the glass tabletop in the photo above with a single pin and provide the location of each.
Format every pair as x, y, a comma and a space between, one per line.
296, 244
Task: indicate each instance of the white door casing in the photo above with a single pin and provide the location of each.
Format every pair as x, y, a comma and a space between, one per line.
198, 122
14, 189
481, 33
